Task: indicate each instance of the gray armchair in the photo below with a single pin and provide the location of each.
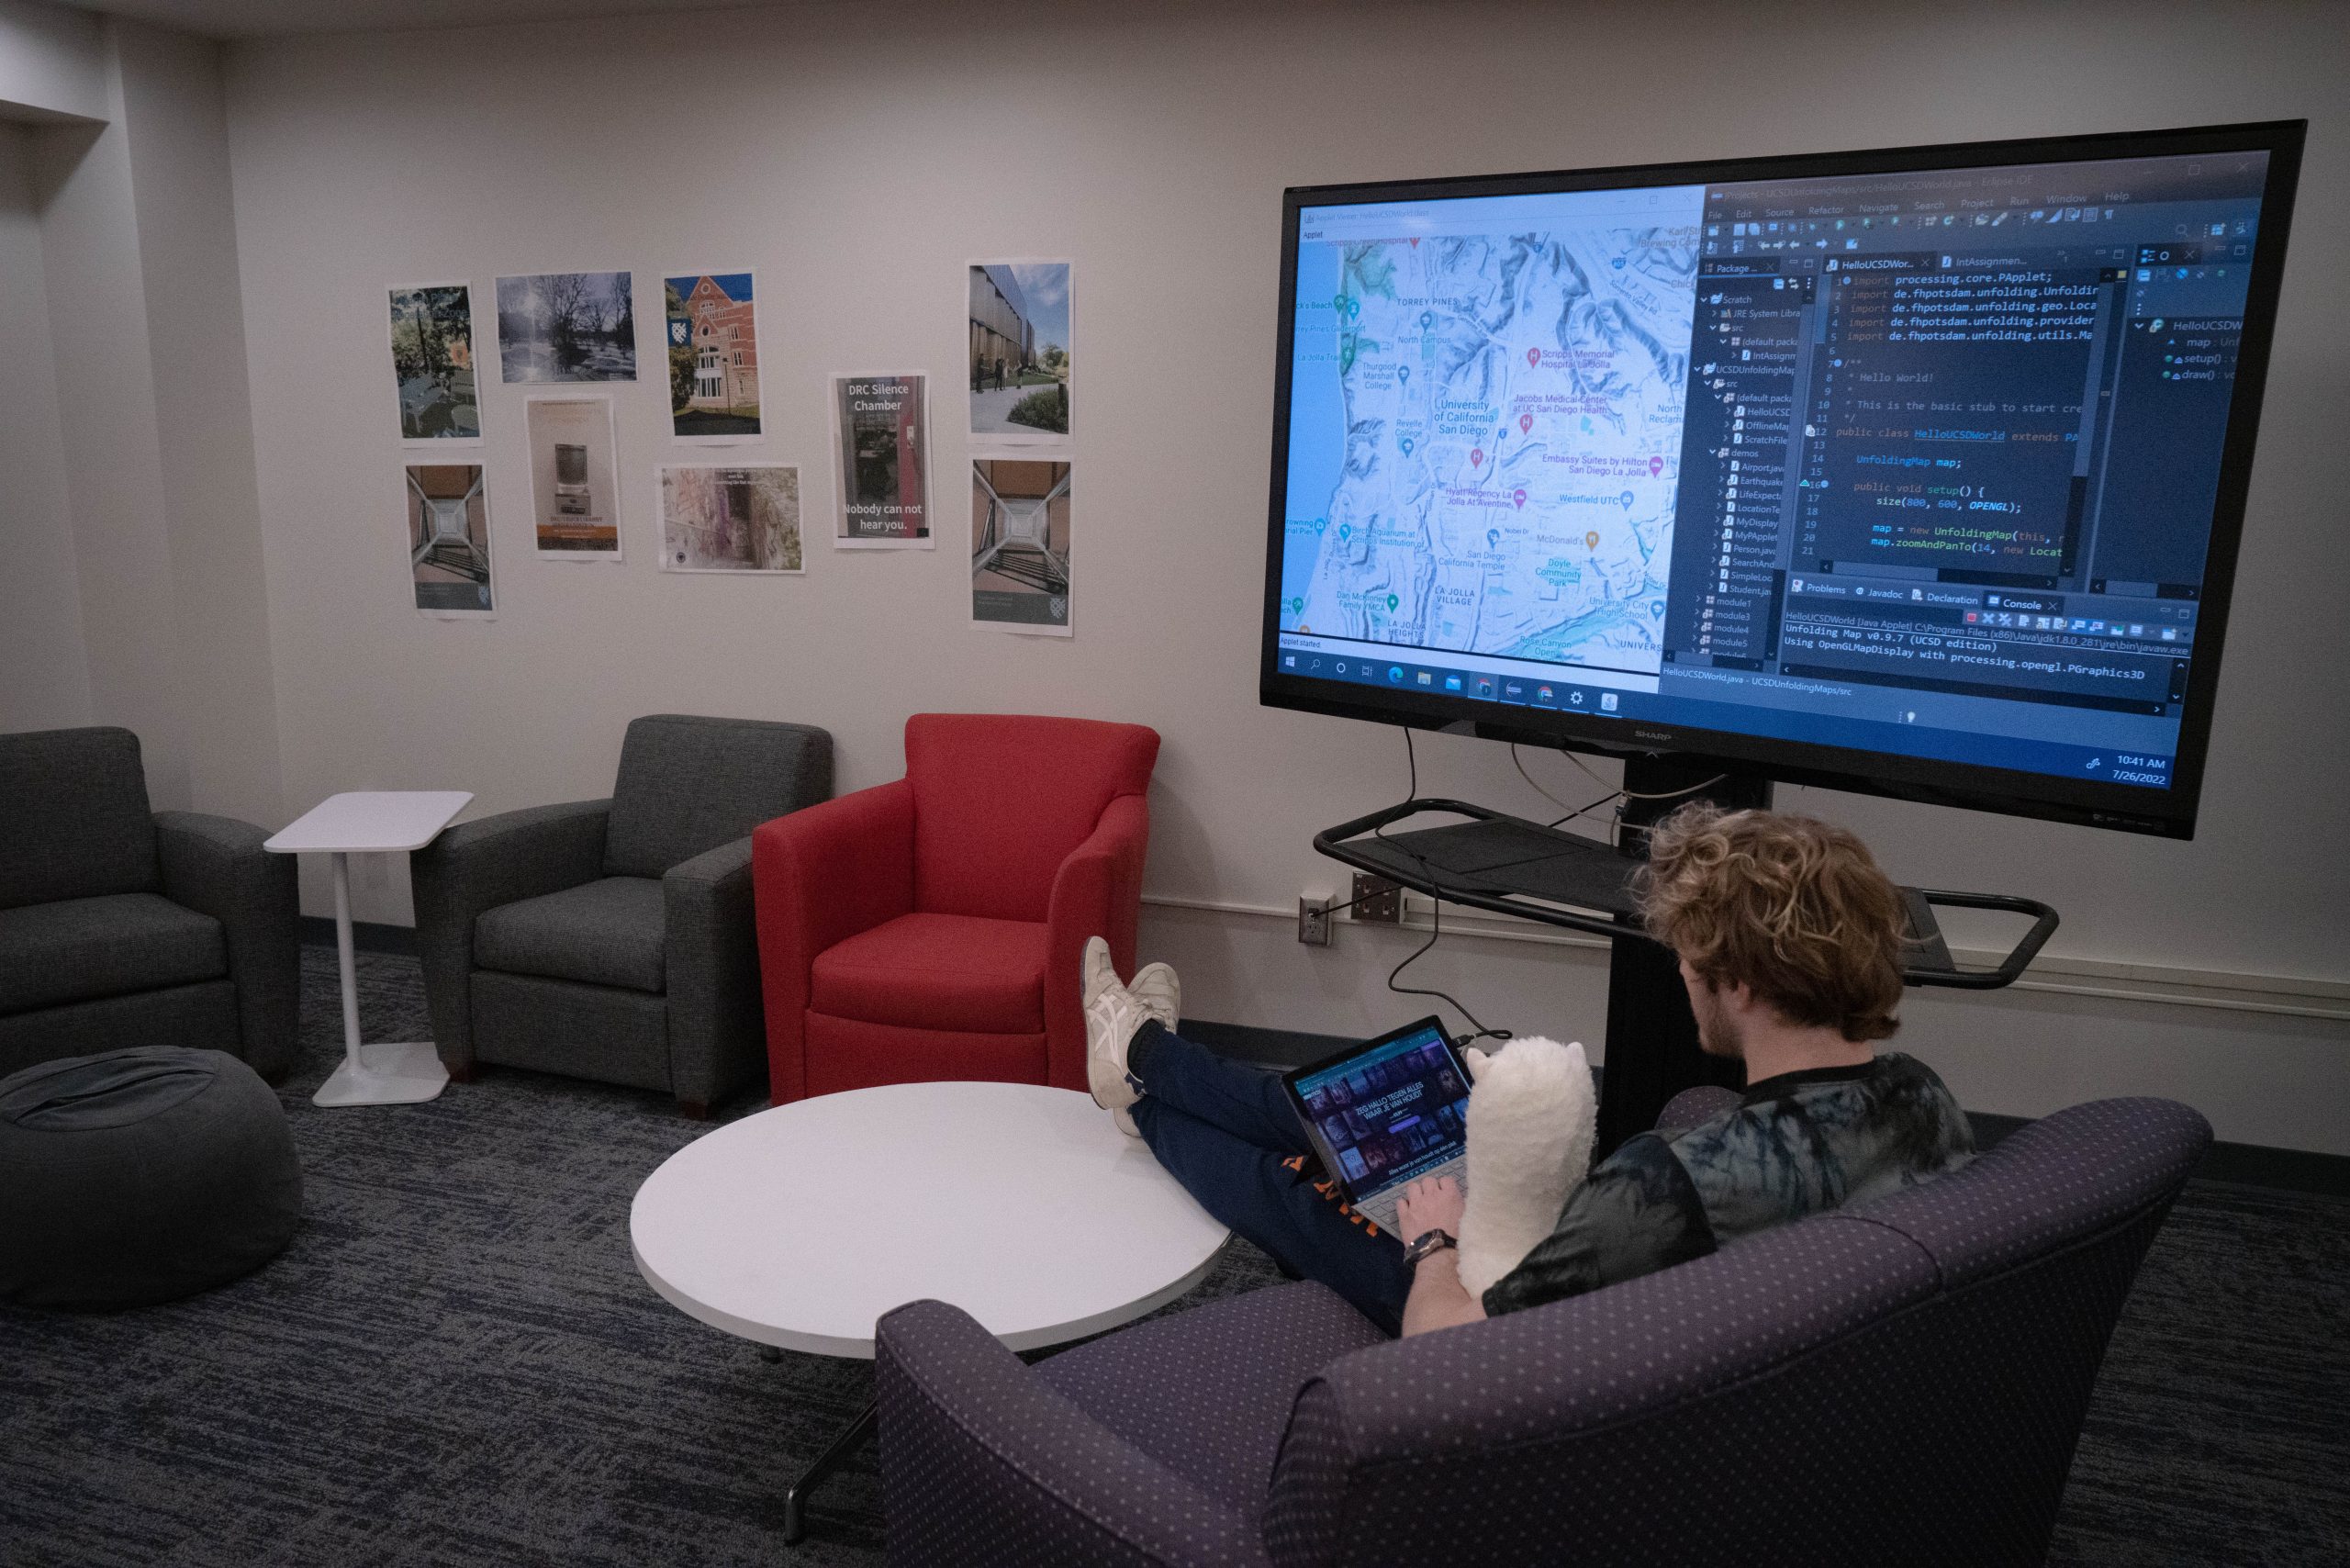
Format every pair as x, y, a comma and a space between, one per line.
121, 926
613, 939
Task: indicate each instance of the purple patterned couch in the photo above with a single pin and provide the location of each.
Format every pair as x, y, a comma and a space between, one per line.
1899, 1382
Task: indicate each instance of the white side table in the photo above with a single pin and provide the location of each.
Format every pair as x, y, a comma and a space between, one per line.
367, 821
1023, 1205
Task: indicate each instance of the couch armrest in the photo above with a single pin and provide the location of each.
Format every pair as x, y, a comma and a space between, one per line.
478, 866
710, 934
982, 1463
217, 866
1096, 892
820, 876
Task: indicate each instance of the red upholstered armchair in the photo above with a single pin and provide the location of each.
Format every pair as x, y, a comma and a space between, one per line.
930, 928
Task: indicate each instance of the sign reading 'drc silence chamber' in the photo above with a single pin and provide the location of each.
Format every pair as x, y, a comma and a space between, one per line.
881, 447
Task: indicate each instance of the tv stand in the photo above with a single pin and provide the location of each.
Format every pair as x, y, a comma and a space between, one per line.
1509, 865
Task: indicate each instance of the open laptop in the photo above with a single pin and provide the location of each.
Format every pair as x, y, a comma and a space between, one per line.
1385, 1113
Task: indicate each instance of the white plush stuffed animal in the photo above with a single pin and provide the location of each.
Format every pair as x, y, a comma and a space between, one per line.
1532, 1119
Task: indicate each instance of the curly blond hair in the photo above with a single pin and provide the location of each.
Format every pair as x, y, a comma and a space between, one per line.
1792, 907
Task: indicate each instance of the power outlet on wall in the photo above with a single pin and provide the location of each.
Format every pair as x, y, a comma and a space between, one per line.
1313, 919
1378, 899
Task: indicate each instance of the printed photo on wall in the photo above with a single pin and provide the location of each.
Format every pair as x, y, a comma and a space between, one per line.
556, 327
433, 362
714, 343
881, 445
1020, 535
575, 478
1020, 352
716, 517
448, 539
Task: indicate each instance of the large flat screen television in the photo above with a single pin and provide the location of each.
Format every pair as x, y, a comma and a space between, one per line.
1917, 472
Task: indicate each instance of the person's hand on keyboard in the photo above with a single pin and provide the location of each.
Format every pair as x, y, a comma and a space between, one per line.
1432, 1203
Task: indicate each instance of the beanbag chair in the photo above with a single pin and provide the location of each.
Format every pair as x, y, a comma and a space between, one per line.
140, 1176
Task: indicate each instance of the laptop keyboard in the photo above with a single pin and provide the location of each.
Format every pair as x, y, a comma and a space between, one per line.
1380, 1207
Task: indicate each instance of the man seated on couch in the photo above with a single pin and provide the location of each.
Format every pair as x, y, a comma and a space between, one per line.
1789, 939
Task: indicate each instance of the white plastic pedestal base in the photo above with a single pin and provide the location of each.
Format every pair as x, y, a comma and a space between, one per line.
399, 1074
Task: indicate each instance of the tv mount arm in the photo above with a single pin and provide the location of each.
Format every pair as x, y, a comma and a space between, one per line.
1509, 865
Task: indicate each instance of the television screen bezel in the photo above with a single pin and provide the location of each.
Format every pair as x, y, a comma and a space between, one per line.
2129, 808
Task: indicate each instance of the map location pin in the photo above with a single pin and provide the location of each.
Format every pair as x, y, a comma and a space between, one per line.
1534, 356
1627, 498
1656, 607
1493, 535
1337, 302
1428, 320
1656, 467
1320, 523
1590, 540
1525, 424
1346, 530
1476, 456
1519, 497
1393, 601
1406, 445
1404, 374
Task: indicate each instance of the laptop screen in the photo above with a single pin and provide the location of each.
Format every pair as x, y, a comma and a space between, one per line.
1390, 1114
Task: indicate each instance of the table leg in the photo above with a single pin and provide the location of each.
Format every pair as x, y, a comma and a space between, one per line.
349, 966
851, 1438
397, 1074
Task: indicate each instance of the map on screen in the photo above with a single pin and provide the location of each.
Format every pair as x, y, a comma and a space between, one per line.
1512, 404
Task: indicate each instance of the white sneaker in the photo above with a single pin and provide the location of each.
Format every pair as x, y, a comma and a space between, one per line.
1113, 1014
1126, 1120
1160, 994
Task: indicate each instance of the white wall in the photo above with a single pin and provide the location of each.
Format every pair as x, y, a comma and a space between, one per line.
135, 520
178, 149
51, 64
47, 677
857, 157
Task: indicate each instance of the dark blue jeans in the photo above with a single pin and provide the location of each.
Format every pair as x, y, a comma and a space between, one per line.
1227, 1132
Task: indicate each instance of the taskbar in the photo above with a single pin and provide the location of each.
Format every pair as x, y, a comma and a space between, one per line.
1592, 695
2058, 759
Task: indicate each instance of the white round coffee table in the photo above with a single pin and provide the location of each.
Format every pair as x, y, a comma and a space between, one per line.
1025, 1206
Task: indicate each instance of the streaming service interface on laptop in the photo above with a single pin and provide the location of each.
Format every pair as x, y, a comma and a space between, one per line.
1390, 1114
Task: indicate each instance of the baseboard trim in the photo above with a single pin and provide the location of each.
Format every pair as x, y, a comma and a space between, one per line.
367, 936
2247, 1164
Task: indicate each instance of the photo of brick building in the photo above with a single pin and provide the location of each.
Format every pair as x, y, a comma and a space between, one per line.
713, 345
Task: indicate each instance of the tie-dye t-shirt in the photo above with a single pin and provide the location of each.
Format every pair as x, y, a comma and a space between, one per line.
1797, 1144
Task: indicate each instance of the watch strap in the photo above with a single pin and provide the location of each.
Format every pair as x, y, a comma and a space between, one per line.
1428, 1241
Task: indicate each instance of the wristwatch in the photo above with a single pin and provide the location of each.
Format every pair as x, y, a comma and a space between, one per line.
1427, 1241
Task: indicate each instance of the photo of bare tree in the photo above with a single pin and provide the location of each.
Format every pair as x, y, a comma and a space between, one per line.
554, 327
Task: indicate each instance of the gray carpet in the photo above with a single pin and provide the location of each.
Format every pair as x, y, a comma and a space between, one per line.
457, 1363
